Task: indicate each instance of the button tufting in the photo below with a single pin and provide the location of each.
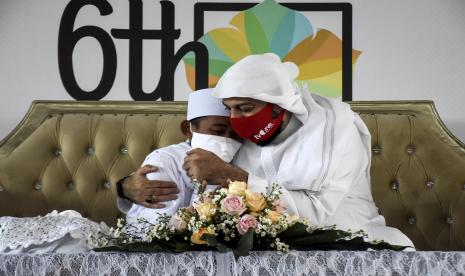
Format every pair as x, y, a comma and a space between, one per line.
57, 152
123, 150
411, 221
376, 149
394, 185
430, 184
71, 185
450, 220
90, 151
37, 185
410, 150
107, 185
1, 188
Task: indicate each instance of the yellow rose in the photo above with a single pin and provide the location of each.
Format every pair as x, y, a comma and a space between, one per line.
206, 209
195, 238
274, 216
255, 201
237, 188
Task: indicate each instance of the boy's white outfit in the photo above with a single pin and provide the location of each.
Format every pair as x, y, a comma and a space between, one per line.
170, 159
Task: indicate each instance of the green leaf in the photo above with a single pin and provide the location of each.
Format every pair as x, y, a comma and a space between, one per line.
330, 239
213, 241
318, 237
245, 244
107, 249
183, 246
296, 230
137, 247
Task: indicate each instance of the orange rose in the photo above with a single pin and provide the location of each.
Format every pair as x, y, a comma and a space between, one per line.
195, 238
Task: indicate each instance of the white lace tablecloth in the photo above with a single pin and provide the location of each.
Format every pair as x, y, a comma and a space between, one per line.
29, 241
215, 263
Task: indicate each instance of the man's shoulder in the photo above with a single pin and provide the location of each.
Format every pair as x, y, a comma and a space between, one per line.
333, 103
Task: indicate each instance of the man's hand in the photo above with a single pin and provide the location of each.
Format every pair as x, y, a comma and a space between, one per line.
149, 193
204, 165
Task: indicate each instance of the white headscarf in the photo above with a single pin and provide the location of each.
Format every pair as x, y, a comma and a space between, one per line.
265, 78
201, 103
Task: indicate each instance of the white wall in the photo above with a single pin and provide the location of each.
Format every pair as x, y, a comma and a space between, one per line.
411, 50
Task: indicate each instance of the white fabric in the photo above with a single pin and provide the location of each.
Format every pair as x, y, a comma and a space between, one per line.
201, 103
169, 160
323, 166
65, 232
224, 147
265, 78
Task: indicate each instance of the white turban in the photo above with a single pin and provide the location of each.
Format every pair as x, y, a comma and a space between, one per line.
201, 103
265, 78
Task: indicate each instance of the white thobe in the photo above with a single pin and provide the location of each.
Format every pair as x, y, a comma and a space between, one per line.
323, 168
169, 160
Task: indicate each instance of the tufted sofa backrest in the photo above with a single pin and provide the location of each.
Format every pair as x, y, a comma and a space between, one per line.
417, 172
68, 155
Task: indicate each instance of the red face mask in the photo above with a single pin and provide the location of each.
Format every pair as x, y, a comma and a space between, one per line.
259, 127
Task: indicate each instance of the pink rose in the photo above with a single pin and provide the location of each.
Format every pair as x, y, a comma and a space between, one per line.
233, 205
177, 223
245, 223
279, 206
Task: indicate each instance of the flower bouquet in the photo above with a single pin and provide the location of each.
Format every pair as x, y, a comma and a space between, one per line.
232, 218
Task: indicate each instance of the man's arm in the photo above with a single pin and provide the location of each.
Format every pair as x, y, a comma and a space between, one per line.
204, 165
167, 171
138, 189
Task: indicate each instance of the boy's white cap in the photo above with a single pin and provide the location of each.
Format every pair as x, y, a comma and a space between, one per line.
202, 103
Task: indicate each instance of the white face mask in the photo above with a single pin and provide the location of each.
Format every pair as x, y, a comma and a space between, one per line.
225, 148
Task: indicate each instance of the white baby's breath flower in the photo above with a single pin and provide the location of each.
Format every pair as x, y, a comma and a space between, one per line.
117, 233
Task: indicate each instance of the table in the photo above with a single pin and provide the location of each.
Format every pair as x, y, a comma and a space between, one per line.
258, 263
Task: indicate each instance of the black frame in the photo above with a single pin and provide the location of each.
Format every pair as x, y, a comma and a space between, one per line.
345, 8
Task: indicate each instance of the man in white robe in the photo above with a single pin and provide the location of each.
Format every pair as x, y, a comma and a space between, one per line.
210, 130
317, 149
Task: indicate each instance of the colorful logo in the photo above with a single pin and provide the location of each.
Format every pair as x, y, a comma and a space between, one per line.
271, 27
